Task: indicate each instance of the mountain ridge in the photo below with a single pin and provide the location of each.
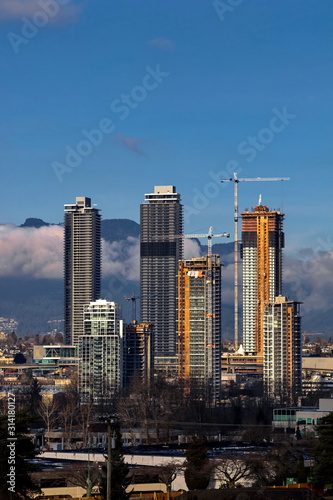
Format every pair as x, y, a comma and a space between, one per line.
34, 301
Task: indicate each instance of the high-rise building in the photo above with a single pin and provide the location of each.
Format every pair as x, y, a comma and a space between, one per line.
138, 353
282, 350
199, 323
262, 243
161, 217
100, 351
82, 263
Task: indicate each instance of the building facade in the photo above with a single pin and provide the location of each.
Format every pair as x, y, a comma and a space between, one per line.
101, 351
261, 251
161, 219
138, 353
283, 350
199, 323
82, 262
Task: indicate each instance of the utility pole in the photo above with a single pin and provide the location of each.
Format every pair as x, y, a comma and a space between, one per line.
109, 463
110, 420
235, 180
89, 471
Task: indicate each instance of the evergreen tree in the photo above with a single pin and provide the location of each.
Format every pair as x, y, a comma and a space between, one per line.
14, 468
119, 469
301, 470
323, 453
197, 471
35, 398
19, 359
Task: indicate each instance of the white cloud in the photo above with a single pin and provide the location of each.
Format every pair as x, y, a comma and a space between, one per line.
38, 253
60, 13
122, 258
191, 248
161, 43
31, 252
309, 277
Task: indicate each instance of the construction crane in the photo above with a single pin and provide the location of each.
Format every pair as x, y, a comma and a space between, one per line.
209, 283
310, 334
209, 236
235, 180
134, 298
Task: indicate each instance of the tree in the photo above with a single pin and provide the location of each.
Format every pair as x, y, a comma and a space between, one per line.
231, 469
197, 470
322, 472
274, 466
82, 473
85, 418
35, 399
12, 338
59, 338
71, 411
20, 451
19, 359
317, 350
48, 410
119, 469
168, 473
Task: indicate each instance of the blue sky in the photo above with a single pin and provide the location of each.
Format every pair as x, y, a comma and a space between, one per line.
183, 93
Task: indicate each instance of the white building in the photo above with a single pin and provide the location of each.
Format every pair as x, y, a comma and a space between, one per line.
100, 351
282, 349
305, 418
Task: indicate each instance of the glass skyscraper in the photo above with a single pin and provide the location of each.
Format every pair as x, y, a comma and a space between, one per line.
161, 218
82, 262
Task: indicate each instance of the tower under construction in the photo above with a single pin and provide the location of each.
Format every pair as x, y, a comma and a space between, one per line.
199, 323
262, 243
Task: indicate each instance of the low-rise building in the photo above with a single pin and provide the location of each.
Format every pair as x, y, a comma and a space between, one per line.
305, 418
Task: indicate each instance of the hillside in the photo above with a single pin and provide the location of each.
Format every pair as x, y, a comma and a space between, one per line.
32, 302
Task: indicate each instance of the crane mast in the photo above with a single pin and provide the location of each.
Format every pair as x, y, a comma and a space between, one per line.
208, 295
235, 180
133, 298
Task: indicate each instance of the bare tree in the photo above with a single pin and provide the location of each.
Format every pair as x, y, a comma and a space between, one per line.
168, 473
272, 467
133, 409
48, 410
82, 474
85, 418
230, 469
